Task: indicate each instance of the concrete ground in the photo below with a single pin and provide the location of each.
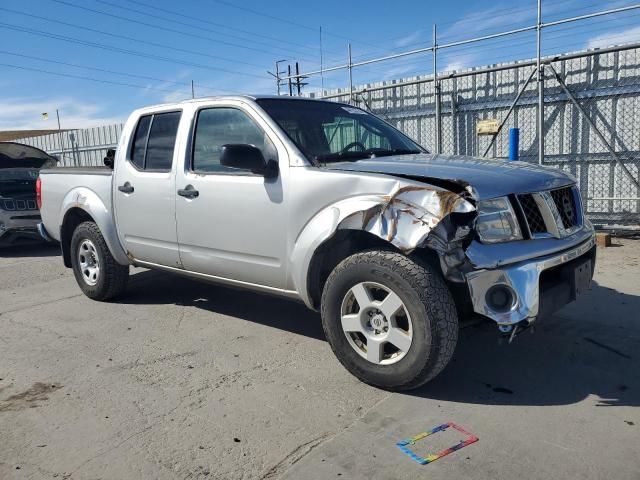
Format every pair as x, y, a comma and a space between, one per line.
184, 380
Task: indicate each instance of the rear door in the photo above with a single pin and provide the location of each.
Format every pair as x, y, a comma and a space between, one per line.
144, 190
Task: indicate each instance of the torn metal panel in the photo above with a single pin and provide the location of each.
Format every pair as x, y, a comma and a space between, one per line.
412, 216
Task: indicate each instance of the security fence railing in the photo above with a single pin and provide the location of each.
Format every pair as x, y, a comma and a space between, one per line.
577, 111
84, 147
591, 119
585, 104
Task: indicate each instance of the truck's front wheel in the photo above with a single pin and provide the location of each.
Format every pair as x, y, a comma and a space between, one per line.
390, 321
98, 274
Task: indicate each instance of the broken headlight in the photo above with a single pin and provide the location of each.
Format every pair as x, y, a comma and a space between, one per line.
497, 221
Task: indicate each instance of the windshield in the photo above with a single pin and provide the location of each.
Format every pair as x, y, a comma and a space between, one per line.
334, 132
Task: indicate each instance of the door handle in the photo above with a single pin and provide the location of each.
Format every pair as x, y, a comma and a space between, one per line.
189, 192
126, 188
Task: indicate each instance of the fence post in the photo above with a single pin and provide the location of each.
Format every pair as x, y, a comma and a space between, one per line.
436, 93
350, 66
540, 78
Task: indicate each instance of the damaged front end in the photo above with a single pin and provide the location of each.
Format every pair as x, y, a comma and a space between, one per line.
504, 281
413, 217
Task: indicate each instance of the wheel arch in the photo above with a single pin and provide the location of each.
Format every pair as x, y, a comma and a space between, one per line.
84, 205
342, 244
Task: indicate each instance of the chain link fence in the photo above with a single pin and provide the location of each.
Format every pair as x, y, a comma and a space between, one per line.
591, 120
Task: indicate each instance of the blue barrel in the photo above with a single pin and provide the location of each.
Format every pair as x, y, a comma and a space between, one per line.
514, 143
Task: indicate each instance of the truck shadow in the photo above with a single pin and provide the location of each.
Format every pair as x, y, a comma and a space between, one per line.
590, 348
152, 287
33, 249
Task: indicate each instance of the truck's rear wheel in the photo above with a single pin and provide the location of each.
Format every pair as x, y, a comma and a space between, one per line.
390, 321
98, 274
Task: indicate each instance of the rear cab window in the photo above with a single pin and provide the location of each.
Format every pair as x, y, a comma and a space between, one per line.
154, 142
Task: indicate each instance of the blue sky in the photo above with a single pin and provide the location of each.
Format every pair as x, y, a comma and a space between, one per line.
152, 49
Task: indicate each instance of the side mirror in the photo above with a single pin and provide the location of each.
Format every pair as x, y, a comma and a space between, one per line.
109, 159
248, 157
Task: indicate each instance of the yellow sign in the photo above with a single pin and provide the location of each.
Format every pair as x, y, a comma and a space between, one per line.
487, 127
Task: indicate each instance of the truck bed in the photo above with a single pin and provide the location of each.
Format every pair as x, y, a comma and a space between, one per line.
72, 185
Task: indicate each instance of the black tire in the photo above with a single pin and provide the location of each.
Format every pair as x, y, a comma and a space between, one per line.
427, 300
113, 277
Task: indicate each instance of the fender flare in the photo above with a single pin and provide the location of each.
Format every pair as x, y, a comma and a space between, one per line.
87, 200
410, 216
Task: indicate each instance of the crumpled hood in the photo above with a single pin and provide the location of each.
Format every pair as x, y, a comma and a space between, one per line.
485, 178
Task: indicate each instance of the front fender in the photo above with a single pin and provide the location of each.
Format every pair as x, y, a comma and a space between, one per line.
90, 202
406, 217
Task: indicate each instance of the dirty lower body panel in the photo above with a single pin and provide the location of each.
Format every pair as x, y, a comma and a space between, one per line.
524, 291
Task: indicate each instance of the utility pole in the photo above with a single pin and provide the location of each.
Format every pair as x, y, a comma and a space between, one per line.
193, 91
277, 74
321, 66
299, 78
289, 78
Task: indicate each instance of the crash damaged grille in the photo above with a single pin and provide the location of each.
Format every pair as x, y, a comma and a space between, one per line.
18, 205
532, 214
566, 205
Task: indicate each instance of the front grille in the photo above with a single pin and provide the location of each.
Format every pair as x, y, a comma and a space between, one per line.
18, 205
566, 205
532, 214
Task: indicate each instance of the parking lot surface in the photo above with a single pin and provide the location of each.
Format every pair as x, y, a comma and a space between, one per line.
184, 380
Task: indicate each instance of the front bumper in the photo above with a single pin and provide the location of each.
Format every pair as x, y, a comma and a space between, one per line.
539, 286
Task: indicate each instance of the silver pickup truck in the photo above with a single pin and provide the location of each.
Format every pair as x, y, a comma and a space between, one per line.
328, 204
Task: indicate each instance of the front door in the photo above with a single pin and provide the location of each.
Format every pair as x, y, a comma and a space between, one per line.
144, 191
235, 228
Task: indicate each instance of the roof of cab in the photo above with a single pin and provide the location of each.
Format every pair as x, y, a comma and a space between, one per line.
226, 97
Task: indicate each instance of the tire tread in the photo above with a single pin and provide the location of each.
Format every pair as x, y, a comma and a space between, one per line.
434, 295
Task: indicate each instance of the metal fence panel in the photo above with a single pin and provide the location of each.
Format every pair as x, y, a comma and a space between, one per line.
592, 132
606, 87
85, 147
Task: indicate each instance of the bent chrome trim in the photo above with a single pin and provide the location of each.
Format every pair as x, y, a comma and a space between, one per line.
524, 279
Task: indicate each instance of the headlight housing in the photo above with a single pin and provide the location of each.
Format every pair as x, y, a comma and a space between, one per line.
497, 222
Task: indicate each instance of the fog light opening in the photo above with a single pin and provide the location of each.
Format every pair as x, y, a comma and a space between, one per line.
500, 298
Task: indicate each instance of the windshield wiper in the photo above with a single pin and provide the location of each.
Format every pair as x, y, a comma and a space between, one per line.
340, 156
369, 153
385, 152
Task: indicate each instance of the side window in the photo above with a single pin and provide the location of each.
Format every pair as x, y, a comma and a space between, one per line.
154, 141
140, 141
216, 127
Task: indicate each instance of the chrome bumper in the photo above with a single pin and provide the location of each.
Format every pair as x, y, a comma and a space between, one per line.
523, 279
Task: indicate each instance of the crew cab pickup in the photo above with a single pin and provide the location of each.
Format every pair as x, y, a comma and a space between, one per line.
328, 204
